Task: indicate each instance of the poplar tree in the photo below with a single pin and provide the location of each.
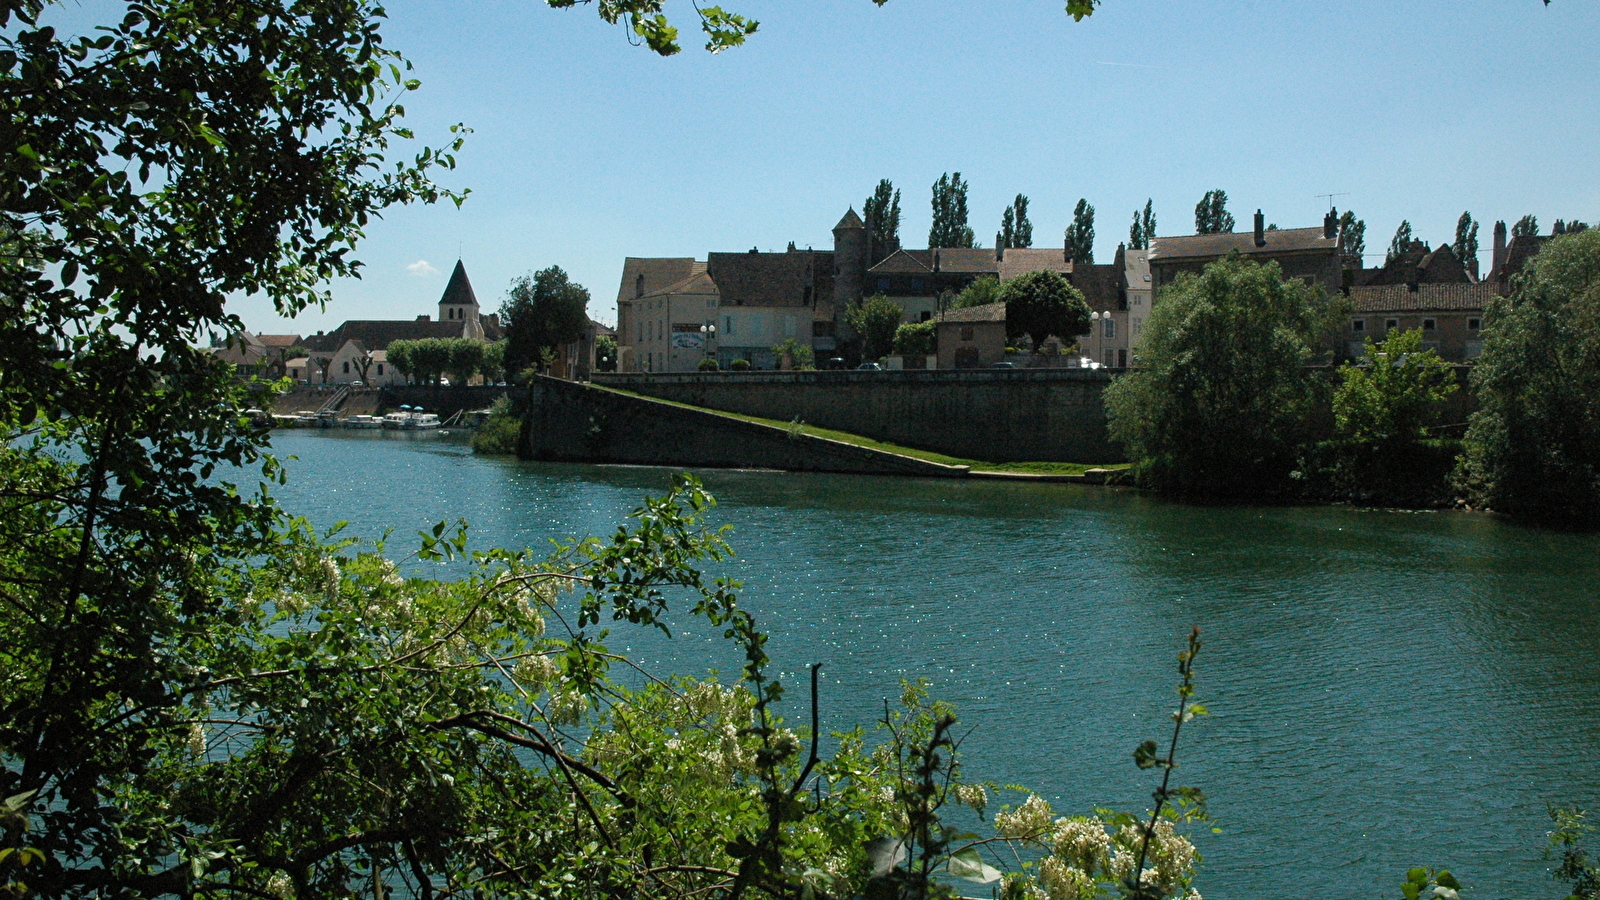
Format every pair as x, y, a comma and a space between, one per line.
1211, 214
1143, 229
950, 228
882, 211
1015, 229
1355, 234
1527, 226
1401, 240
1465, 246
1080, 234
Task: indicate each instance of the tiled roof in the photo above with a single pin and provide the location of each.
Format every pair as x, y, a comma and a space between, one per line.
905, 262
1444, 297
988, 312
1099, 284
698, 283
772, 279
280, 341
1207, 246
850, 220
658, 272
1136, 265
1419, 264
459, 291
378, 334
1021, 261
966, 260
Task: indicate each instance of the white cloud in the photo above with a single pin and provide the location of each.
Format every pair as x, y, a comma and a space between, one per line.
422, 268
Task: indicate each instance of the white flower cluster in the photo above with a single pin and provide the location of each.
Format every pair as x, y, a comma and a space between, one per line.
331, 580
195, 744
280, 885
566, 707
1083, 844
536, 672
972, 795
1027, 822
1065, 882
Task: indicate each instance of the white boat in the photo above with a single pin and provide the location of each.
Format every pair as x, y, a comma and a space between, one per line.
395, 420
421, 420
363, 422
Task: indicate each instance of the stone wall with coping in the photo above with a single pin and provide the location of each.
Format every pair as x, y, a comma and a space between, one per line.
1052, 415
571, 422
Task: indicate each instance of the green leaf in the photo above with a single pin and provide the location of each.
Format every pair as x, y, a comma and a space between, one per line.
969, 865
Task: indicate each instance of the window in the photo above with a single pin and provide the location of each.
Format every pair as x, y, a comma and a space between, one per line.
917, 284
727, 324
1110, 327
1358, 325
883, 284
966, 332
1111, 358
1391, 324
1429, 324
711, 303
1473, 324
924, 316
380, 370
1122, 358
347, 367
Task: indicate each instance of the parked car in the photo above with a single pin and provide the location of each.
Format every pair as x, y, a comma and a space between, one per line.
870, 367
1002, 365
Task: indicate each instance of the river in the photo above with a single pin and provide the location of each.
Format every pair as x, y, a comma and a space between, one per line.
1387, 689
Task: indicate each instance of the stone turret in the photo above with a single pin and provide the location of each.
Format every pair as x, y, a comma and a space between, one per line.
460, 304
851, 252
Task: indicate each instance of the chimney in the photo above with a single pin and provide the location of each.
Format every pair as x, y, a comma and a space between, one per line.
999, 252
936, 261
1499, 249
1330, 226
424, 318
1261, 229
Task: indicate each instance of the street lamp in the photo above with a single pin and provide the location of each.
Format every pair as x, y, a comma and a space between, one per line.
1099, 333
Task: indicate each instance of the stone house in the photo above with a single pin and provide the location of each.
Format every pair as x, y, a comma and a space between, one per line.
1449, 315
973, 337
1313, 255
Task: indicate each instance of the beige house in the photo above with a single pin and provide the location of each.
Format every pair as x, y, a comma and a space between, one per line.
1313, 255
973, 337
1450, 316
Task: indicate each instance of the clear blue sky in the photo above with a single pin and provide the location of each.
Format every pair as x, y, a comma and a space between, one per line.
587, 150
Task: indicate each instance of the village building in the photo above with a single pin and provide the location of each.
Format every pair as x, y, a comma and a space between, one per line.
972, 337
1313, 255
1449, 315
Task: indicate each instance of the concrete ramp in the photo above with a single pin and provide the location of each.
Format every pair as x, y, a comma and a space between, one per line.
573, 422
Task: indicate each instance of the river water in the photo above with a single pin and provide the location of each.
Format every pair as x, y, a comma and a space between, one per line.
1387, 689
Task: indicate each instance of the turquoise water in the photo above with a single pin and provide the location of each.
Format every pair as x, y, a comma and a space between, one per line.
1388, 689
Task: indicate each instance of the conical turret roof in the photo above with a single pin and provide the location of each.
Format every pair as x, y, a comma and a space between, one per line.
459, 291
850, 220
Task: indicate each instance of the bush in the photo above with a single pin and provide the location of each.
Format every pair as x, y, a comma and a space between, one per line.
1222, 403
1533, 446
1040, 304
739, 365
917, 339
709, 364
875, 319
498, 435
798, 355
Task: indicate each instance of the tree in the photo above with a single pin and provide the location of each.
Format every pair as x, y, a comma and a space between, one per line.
1355, 234
983, 290
1143, 229
917, 339
1015, 229
1041, 304
1562, 227
1220, 401
494, 361
182, 153
1400, 243
950, 227
1080, 234
1381, 409
1211, 214
1527, 226
466, 359
541, 312
1533, 446
792, 354
882, 211
1465, 246
875, 319
605, 353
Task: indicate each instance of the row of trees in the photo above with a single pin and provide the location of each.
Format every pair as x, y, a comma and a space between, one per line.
1038, 304
1224, 403
430, 359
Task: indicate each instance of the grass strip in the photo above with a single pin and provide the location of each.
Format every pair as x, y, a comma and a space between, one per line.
977, 465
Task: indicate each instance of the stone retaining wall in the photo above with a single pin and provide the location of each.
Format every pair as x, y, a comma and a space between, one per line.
1052, 415
579, 423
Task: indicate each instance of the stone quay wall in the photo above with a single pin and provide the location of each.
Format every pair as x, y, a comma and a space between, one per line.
996, 415
571, 422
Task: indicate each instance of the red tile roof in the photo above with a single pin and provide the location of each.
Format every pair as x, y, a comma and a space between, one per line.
1381, 298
